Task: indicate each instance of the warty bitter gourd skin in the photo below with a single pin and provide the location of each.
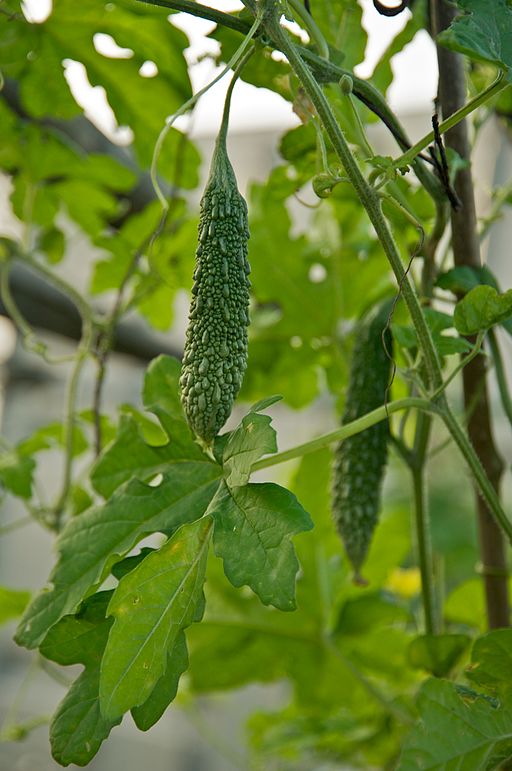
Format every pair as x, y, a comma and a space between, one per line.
215, 357
360, 460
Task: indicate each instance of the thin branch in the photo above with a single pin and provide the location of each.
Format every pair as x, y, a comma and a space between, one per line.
203, 12
494, 88
343, 432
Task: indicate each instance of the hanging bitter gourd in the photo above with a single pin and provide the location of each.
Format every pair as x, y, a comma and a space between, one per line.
215, 356
360, 460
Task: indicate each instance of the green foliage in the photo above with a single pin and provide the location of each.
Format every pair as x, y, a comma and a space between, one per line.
78, 727
479, 730
352, 659
482, 32
258, 521
437, 654
481, 308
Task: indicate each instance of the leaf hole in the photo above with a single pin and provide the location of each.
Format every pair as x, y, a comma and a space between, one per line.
107, 46
317, 273
148, 69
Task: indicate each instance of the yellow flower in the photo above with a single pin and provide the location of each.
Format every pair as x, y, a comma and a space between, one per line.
404, 581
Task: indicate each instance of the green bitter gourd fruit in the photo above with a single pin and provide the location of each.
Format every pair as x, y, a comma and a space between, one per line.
215, 356
360, 460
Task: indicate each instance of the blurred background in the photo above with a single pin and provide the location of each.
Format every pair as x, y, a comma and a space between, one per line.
208, 734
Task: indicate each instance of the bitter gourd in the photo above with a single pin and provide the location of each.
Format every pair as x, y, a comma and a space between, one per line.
215, 356
360, 460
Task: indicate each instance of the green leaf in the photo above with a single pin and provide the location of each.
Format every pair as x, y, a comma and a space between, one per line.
53, 436
437, 654
466, 604
482, 32
161, 396
150, 606
460, 279
53, 243
16, 473
480, 309
382, 75
90, 544
250, 440
165, 689
130, 456
491, 661
12, 603
138, 102
253, 528
457, 731
78, 728
359, 615
264, 404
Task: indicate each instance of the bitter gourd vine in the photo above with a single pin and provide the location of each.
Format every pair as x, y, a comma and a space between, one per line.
215, 356
360, 460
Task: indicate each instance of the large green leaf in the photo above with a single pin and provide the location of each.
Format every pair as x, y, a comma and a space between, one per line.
69, 32
253, 529
148, 713
150, 606
91, 543
78, 728
458, 729
491, 661
482, 32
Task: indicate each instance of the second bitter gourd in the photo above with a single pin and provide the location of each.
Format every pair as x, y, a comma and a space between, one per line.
360, 460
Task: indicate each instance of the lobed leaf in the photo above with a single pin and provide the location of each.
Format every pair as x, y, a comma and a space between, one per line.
90, 544
250, 440
151, 605
253, 528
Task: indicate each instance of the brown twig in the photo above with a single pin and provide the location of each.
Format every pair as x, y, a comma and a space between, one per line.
466, 251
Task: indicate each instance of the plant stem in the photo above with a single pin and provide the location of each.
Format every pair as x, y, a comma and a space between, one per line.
370, 201
327, 72
203, 12
466, 251
343, 432
423, 537
235, 59
495, 87
83, 352
311, 27
367, 195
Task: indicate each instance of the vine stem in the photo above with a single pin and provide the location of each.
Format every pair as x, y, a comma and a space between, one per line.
235, 59
202, 12
82, 354
328, 72
422, 519
312, 28
368, 196
494, 88
343, 432
370, 201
